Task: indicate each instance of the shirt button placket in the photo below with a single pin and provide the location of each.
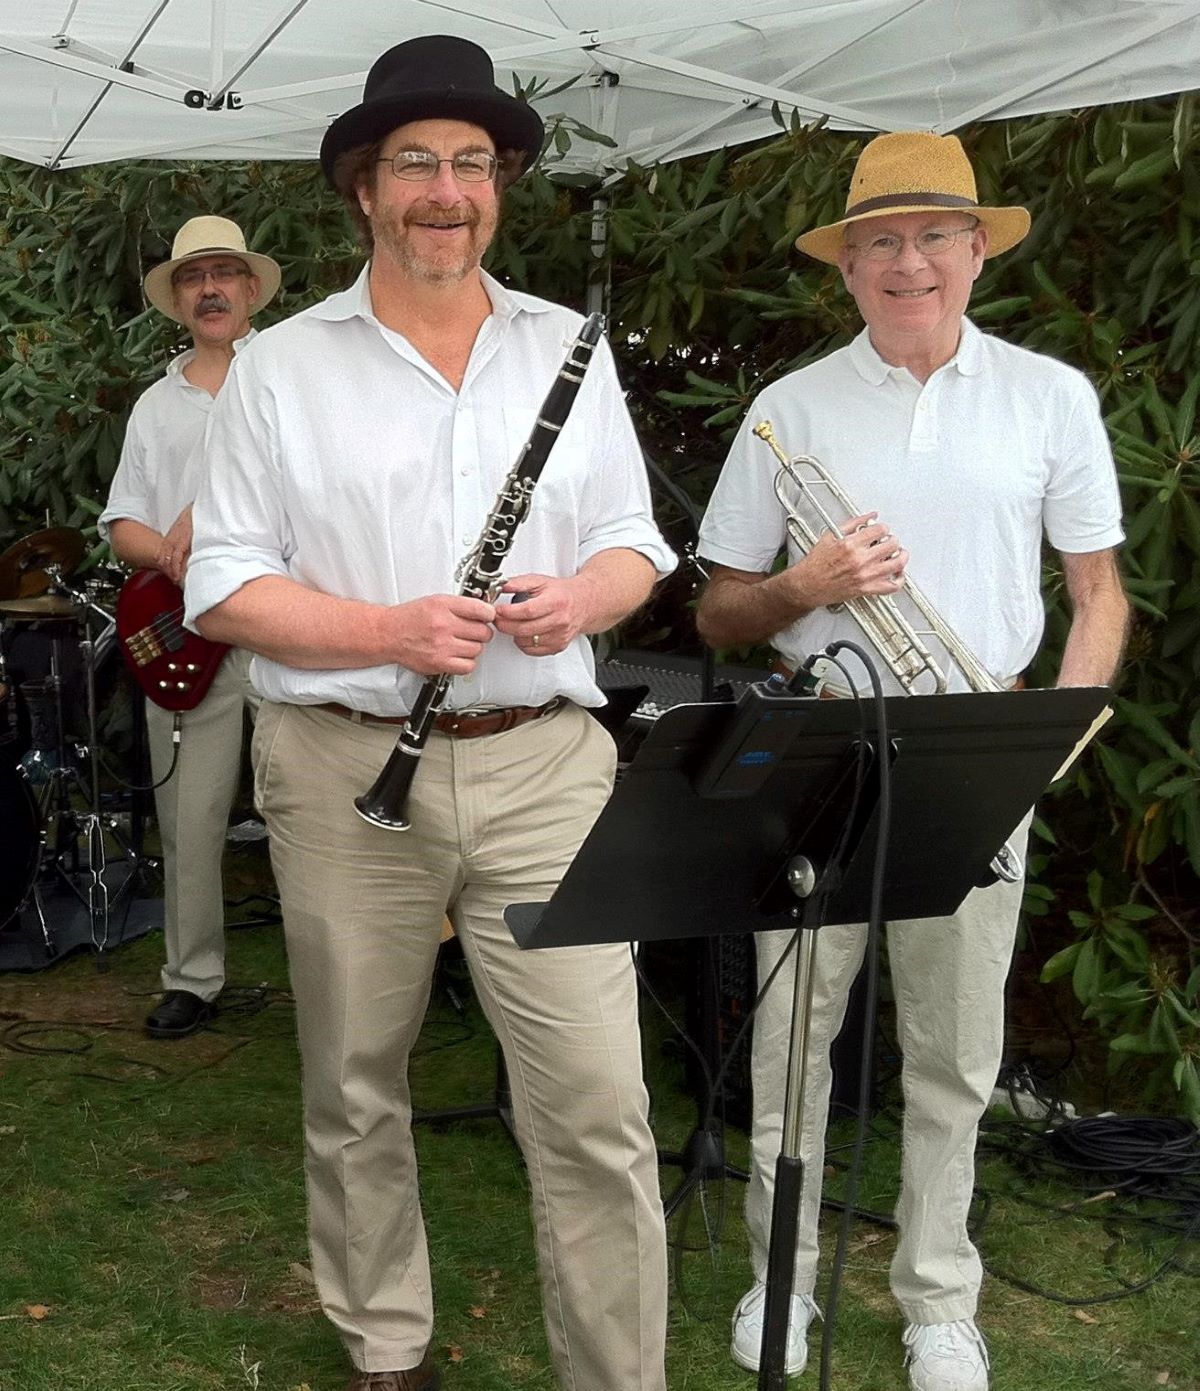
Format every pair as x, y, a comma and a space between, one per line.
924, 426
463, 455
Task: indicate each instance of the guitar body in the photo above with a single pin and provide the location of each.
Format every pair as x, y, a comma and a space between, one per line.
174, 667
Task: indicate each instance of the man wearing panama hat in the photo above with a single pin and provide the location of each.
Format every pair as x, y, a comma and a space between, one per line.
211, 285
963, 451
348, 472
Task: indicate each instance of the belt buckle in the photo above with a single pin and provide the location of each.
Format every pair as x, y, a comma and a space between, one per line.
473, 712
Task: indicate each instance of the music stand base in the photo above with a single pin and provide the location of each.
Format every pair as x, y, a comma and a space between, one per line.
701, 1159
499, 1108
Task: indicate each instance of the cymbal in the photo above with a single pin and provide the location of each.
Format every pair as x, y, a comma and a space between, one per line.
23, 566
41, 606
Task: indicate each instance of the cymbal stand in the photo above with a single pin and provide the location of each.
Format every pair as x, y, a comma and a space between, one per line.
92, 825
48, 767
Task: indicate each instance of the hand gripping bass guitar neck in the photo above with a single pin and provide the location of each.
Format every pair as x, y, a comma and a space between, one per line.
479, 578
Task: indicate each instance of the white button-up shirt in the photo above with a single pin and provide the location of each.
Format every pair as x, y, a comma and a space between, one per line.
339, 457
968, 470
155, 479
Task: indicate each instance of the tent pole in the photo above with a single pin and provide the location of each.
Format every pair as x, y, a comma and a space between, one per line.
216, 44
599, 288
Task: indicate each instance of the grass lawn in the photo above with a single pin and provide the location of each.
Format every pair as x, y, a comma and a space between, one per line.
152, 1230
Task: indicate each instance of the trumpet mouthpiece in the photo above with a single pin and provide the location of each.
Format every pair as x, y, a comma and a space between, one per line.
765, 432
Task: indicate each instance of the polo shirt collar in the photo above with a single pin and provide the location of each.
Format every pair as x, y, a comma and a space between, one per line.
355, 302
867, 362
968, 360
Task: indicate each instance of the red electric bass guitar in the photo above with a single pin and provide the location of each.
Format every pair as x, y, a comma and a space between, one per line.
175, 668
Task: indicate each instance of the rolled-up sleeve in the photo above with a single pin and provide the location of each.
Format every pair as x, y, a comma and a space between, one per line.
1081, 510
129, 497
240, 527
743, 526
620, 515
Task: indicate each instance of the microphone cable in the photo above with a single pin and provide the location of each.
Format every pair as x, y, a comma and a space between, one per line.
176, 737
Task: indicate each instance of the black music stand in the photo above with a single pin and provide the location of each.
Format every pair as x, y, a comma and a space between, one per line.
737, 818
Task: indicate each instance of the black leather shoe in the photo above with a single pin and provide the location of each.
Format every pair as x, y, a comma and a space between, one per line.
178, 1014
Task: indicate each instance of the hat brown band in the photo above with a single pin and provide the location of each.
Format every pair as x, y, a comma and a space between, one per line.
904, 200
216, 251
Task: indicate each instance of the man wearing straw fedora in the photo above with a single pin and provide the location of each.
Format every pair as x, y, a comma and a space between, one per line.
351, 464
961, 451
211, 285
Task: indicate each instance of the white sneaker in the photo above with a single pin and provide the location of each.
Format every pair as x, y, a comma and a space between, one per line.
746, 1348
946, 1356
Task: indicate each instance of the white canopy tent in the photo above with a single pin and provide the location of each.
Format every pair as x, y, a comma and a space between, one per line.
90, 81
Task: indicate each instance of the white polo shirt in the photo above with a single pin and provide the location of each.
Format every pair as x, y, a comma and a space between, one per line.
998, 447
338, 456
153, 482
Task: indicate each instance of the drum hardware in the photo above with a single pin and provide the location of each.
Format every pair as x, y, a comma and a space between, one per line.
25, 567
49, 834
10, 733
90, 826
42, 607
20, 846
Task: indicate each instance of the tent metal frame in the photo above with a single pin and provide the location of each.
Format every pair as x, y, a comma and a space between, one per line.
642, 55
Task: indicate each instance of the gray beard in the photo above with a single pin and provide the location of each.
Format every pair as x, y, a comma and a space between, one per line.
418, 269
399, 248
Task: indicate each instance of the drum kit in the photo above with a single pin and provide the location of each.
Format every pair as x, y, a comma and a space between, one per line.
55, 637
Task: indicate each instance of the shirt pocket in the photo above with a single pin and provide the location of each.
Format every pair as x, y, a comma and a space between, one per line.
560, 485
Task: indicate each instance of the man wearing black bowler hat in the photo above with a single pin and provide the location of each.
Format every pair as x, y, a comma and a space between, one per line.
352, 460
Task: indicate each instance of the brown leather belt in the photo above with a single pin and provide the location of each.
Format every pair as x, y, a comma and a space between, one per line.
458, 724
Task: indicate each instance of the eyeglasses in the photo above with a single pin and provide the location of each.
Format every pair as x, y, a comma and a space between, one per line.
192, 276
419, 166
936, 241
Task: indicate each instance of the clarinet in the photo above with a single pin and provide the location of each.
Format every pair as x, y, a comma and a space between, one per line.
478, 575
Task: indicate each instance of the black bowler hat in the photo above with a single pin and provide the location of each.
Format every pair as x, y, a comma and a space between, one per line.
434, 78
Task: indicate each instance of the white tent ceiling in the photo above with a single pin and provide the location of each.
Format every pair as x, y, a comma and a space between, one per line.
88, 81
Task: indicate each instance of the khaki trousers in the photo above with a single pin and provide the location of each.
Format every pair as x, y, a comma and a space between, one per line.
193, 817
495, 820
948, 976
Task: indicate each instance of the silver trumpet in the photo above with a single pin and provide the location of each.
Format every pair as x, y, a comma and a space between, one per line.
899, 641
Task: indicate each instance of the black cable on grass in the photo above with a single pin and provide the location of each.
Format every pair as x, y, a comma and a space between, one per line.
162, 1078
28, 1037
1137, 1172
245, 1001
18, 1037
77, 1039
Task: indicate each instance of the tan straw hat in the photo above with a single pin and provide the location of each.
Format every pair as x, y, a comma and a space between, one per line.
915, 172
209, 236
